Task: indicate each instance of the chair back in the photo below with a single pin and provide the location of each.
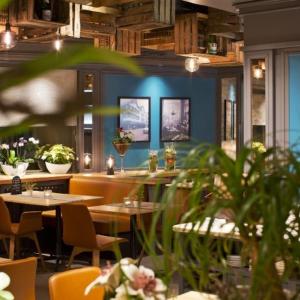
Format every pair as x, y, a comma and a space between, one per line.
71, 285
5, 224
22, 275
78, 227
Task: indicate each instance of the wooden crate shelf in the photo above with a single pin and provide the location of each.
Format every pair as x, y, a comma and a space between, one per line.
142, 15
191, 31
128, 42
162, 39
28, 13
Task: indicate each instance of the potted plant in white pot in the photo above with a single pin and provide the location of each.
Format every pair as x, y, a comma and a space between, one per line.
15, 158
59, 159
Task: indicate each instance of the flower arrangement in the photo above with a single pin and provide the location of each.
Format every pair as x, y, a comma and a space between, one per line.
170, 157
123, 137
20, 151
125, 281
4, 283
59, 154
259, 147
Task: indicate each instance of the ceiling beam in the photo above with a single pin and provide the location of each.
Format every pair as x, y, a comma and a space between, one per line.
219, 4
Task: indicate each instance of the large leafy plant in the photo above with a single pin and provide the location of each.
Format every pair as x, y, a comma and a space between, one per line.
59, 154
259, 192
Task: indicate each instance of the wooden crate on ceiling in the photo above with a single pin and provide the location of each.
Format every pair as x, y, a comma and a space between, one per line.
128, 42
105, 41
28, 13
190, 38
147, 14
160, 39
94, 25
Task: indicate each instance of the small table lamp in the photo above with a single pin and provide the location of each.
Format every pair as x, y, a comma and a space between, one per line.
110, 163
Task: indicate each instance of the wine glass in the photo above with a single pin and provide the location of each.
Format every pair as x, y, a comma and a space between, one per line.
122, 148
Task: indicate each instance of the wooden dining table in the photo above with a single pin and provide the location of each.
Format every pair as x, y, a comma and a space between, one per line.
133, 210
54, 201
195, 296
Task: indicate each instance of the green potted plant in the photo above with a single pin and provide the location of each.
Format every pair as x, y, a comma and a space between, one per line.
15, 158
259, 193
59, 159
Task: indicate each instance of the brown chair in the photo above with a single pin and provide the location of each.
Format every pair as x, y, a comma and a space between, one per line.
79, 232
22, 273
71, 285
30, 223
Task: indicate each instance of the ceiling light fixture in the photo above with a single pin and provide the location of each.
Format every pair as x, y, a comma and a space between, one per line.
258, 72
8, 37
192, 64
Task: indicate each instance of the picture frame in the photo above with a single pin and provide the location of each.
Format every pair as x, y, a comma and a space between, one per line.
135, 116
175, 119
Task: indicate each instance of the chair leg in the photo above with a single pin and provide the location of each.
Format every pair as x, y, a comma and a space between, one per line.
37, 245
75, 251
5, 246
12, 247
17, 243
96, 258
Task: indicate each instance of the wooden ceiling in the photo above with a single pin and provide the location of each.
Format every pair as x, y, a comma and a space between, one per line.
133, 26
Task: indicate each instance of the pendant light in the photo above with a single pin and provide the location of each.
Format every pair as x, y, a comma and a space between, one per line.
7, 37
192, 64
58, 42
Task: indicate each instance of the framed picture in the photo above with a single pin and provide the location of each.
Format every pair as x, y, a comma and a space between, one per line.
135, 117
175, 118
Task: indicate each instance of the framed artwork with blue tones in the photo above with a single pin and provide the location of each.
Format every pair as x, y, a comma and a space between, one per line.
175, 118
135, 117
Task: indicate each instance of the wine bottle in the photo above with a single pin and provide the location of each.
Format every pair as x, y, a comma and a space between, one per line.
212, 45
46, 10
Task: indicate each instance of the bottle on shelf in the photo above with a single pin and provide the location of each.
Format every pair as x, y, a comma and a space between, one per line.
46, 10
212, 45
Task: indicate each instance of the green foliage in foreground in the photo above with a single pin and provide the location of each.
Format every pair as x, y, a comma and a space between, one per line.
257, 189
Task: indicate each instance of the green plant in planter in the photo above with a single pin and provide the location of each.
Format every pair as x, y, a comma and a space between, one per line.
59, 154
257, 190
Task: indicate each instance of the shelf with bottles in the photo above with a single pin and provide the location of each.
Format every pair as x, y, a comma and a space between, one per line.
42, 13
193, 39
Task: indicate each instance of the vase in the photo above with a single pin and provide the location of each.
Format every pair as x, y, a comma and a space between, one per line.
58, 168
122, 148
170, 157
153, 161
18, 170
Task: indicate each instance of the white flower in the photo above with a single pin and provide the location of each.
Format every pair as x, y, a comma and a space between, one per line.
4, 283
5, 146
122, 134
36, 142
15, 145
21, 144
31, 139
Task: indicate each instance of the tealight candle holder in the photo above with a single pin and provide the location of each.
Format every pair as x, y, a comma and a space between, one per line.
110, 163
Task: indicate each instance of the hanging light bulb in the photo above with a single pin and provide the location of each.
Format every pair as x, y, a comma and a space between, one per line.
192, 64
258, 72
58, 42
7, 38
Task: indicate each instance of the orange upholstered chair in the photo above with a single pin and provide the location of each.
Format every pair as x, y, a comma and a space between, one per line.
79, 232
22, 273
30, 223
71, 285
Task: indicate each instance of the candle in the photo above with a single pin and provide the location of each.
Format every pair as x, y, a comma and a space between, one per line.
87, 160
110, 165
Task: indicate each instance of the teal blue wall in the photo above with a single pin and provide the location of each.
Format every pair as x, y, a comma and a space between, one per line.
294, 100
203, 108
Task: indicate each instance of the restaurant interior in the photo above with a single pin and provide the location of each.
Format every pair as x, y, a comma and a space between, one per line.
149, 149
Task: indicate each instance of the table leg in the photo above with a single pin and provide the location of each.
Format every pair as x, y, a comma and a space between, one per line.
133, 237
58, 237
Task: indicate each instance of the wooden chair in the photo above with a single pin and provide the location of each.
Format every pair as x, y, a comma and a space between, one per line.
22, 274
71, 285
30, 223
79, 232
